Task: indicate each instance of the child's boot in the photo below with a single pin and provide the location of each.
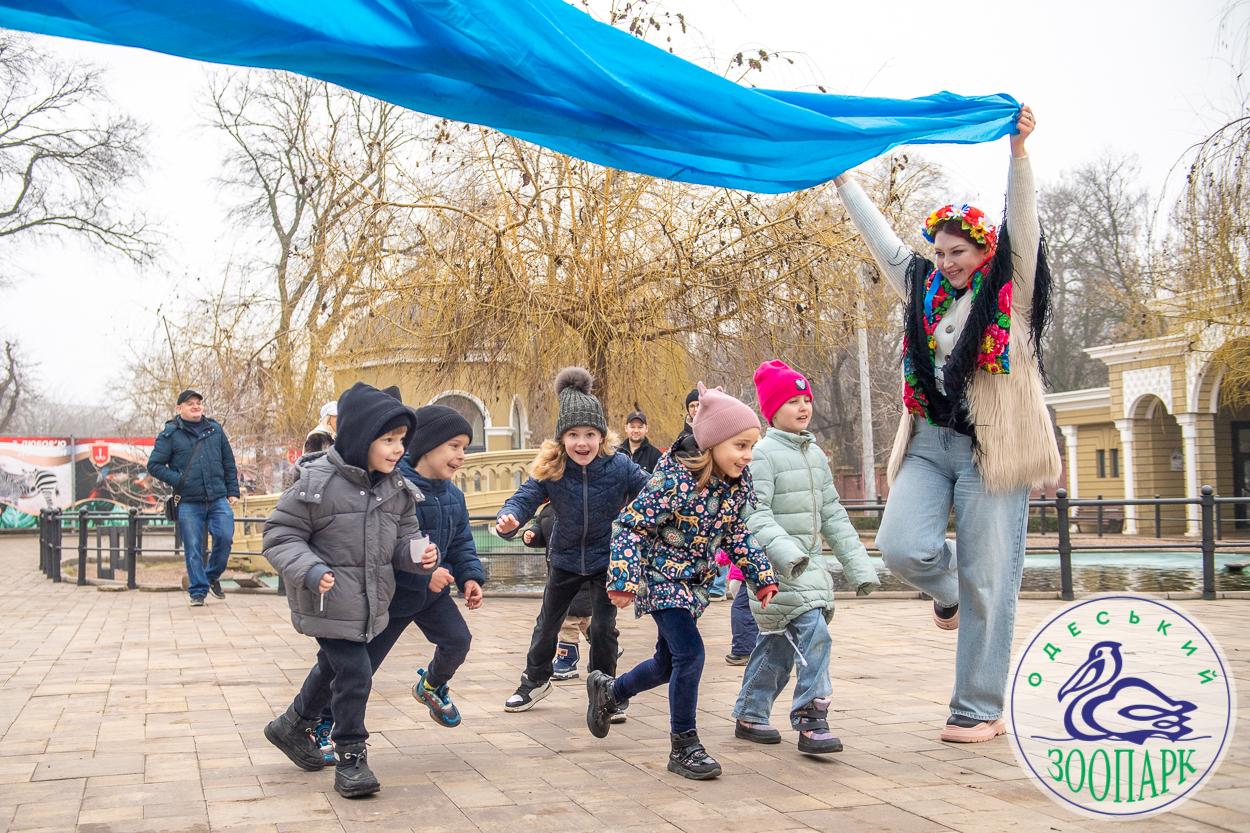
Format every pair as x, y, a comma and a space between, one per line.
812, 723
294, 736
322, 734
352, 776
565, 666
437, 700
689, 759
756, 732
601, 706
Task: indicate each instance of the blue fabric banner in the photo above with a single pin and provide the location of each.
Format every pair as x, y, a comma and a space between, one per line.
543, 71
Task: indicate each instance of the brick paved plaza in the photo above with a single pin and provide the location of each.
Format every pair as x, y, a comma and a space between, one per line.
132, 712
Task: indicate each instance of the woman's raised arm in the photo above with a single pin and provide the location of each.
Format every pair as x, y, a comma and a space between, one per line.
887, 249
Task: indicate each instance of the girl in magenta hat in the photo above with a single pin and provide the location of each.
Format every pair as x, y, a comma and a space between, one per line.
975, 433
663, 562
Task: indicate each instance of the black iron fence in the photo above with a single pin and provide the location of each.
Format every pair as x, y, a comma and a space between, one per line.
112, 544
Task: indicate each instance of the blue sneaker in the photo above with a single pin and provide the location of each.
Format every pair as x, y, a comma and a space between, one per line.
437, 700
322, 734
565, 666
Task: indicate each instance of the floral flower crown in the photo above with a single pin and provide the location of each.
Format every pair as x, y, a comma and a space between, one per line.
972, 219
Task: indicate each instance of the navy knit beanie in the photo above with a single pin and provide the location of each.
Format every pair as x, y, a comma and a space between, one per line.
436, 424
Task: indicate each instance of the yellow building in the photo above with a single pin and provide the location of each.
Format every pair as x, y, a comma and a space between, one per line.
1158, 428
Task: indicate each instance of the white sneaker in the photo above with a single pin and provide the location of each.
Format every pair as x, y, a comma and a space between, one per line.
526, 695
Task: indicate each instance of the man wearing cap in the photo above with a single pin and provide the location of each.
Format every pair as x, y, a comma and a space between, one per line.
194, 457
637, 446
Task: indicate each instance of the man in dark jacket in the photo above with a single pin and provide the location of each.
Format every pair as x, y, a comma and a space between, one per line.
193, 455
637, 446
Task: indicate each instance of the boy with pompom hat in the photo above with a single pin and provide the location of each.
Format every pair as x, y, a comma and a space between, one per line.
587, 482
797, 505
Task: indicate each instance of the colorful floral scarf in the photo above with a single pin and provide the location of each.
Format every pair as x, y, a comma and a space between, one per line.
992, 347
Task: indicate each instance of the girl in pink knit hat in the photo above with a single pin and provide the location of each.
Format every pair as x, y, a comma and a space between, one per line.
663, 562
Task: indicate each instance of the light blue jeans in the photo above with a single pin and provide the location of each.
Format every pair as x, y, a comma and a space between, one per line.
984, 580
721, 580
806, 642
197, 520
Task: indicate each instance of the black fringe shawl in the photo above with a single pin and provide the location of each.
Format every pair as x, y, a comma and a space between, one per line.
950, 410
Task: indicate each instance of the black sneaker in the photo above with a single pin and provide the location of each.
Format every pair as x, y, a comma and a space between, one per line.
601, 706
296, 738
689, 759
352, 776
214, 587
526, 695
737, 659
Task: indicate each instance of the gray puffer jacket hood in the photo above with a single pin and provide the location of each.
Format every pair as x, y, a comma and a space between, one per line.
334, 519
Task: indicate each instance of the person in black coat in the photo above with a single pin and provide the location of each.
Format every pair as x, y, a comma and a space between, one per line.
637, 446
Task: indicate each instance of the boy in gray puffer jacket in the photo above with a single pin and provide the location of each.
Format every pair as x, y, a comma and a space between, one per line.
797, 505
333, 537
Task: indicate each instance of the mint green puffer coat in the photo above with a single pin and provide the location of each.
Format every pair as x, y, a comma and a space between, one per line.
796, 505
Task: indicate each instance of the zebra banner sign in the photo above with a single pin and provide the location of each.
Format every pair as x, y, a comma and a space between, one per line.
1121, 706
36, 473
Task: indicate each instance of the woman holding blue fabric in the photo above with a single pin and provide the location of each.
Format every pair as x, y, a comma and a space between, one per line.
975, 432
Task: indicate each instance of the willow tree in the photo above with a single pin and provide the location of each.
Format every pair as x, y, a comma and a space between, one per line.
534, 259
1207, 264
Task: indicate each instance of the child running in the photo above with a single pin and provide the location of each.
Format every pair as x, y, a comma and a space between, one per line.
333, 536
423, 598
663, 562
797, 505
587, 482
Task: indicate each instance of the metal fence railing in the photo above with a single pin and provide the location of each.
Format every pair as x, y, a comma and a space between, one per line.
113, 543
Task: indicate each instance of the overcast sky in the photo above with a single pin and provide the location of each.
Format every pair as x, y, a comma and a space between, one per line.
1144, 77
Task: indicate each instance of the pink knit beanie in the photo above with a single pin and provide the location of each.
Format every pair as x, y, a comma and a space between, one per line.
720, 417
777, 383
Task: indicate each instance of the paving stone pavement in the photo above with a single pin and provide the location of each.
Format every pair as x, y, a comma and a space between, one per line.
132, 712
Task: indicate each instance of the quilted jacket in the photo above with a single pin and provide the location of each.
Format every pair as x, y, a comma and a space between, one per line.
334, 519
796, 506
586, 500
664, 544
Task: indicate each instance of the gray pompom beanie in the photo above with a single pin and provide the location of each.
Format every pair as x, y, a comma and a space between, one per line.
578, 407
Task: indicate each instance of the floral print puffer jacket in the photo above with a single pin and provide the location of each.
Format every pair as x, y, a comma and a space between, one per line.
664, 543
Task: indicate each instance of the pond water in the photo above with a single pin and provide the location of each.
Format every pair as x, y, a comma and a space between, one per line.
1145, 572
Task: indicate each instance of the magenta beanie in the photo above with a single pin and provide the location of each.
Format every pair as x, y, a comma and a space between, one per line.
720, 417
777, 383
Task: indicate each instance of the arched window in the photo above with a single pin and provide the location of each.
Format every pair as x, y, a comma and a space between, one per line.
468, 409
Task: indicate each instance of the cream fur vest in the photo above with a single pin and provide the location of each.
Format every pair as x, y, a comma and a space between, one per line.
1015, 444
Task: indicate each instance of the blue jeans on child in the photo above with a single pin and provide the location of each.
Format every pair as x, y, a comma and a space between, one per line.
805, 643
718, 583
194, 519
938, 472
742, 623
678, 661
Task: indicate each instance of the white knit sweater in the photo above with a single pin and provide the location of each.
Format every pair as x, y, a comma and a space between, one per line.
1015, 440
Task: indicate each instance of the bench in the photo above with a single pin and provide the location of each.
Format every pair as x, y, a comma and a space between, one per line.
1086, 519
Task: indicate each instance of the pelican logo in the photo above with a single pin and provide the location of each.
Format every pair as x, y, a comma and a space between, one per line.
1121, 707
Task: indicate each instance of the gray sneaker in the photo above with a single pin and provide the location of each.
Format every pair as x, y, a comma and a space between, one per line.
196, 601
